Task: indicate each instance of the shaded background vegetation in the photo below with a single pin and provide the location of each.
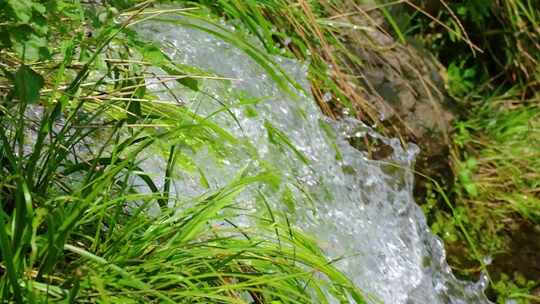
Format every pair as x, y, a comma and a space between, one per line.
492, 53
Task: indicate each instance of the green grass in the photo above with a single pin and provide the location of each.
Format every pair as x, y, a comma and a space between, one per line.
498, 180
73, 226
73, 229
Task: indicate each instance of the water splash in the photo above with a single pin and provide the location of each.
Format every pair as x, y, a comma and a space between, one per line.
362, 211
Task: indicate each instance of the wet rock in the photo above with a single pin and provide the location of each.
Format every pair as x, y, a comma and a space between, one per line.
406, 86
408, 83
522, 256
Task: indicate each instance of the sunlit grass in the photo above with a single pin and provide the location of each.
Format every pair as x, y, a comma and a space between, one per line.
74, 226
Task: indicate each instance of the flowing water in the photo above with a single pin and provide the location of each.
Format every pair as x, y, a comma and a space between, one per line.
359, 209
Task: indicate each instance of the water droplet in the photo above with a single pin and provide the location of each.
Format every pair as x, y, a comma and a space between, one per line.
327, 97
330, 70
287, 41
483, 281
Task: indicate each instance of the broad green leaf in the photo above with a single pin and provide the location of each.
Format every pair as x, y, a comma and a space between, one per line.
27, 84
38, 7
32, 48
22, 9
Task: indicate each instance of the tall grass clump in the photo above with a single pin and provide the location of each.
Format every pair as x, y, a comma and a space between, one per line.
81, 221
497, 184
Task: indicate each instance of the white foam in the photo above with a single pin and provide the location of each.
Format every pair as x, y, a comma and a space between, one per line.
357, 208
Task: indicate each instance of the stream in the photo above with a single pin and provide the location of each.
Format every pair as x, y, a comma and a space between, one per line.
360, 210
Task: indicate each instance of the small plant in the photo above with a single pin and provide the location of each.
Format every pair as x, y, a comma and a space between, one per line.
516, 290
461, 80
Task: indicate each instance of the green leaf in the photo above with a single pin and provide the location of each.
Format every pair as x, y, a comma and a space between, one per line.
279, 138
153, 54
471, 189
38, 7
32, 47
40, 25
469, 73
471, 163
22, 9
287, 197
189, 82
27, 84
134, 105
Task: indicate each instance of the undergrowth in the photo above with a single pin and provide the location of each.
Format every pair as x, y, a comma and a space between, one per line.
81, 221
75, 228
492, 55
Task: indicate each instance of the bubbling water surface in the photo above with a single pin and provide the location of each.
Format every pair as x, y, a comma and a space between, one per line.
359, 209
